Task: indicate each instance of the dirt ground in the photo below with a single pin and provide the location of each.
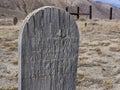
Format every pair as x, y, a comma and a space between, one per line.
99, 55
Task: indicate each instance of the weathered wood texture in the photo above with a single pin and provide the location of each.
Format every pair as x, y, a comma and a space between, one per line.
48, 50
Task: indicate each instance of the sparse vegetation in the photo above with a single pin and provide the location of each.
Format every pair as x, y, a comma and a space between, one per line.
99, 48
108, 84
115, 49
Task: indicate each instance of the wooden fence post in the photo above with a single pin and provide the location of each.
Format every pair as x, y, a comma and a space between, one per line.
67, 9
111, 13
78, 12
90, 13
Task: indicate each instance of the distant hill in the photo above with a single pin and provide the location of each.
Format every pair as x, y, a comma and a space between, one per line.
20, 8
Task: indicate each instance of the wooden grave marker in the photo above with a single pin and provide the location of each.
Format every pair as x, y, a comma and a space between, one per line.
48, 50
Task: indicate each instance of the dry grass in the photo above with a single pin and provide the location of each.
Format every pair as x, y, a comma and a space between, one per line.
95, 39
108, 84
83, 58
10, 36
104, 43
10, 46
115, 49
6, 22
15, 61
9, 88
98, 50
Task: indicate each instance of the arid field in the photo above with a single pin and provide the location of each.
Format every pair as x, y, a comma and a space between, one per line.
99, 55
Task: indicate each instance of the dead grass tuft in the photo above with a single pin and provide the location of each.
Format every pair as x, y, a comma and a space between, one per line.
80, 76
83, 58
115, 49
11, 36
108, 84
10, 46
98, 50
104, 43
6, 22
15, 61
9, 88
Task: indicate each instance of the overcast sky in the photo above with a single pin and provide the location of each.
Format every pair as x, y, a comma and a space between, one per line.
112, 2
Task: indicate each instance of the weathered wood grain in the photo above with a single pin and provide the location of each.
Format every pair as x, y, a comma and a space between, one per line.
48, 50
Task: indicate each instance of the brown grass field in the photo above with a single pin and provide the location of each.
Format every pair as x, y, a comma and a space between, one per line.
99, 55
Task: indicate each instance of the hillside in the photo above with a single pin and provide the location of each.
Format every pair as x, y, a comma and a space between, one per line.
20, 8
